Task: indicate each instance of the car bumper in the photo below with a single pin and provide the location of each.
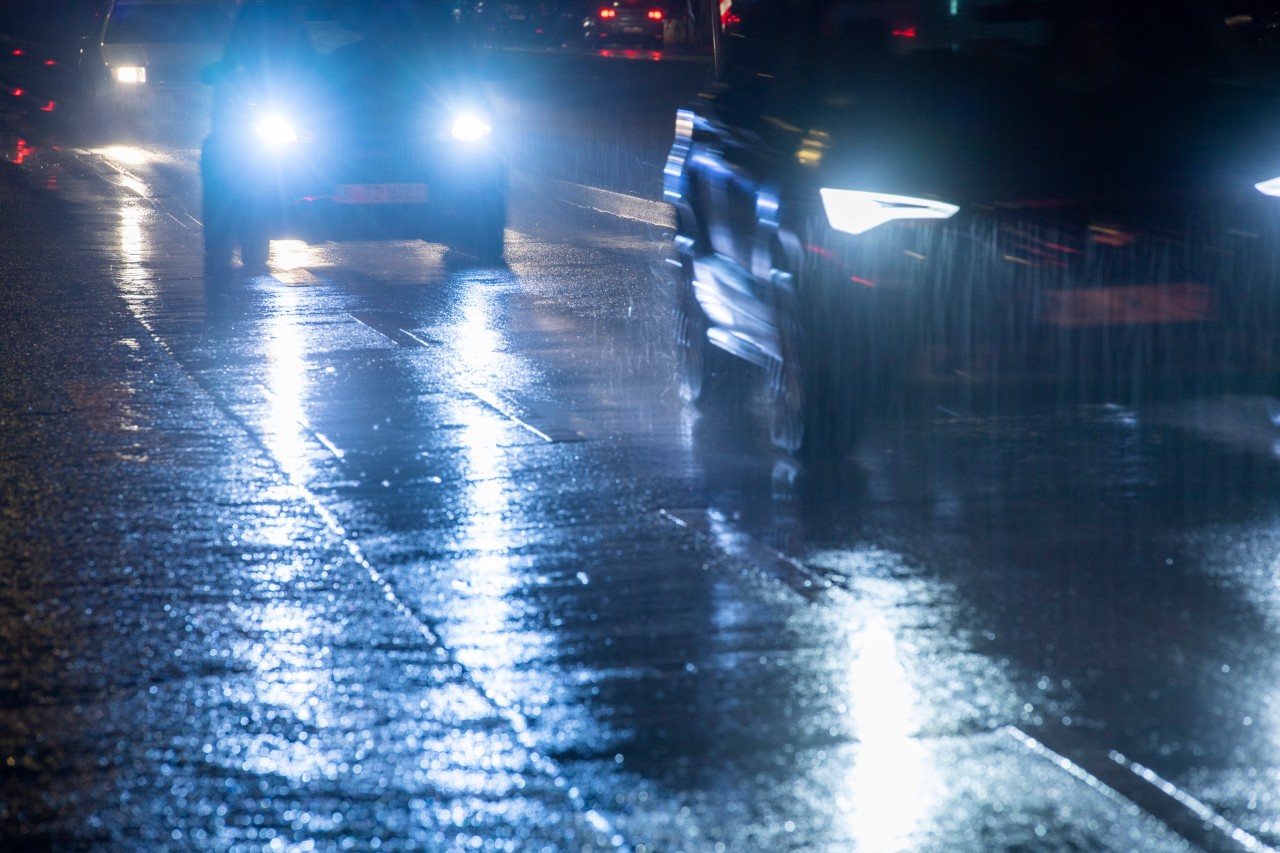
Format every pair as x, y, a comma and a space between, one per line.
315, 194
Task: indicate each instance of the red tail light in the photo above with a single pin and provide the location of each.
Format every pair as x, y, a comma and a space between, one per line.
608, 13
655, 14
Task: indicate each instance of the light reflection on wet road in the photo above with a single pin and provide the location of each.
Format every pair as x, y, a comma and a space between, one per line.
473, 578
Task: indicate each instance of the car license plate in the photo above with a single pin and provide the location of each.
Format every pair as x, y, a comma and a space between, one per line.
633, 29
1129, 306
381, 194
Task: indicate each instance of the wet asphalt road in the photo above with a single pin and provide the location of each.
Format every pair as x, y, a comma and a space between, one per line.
384, 551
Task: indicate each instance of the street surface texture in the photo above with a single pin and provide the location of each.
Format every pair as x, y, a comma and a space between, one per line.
386, 551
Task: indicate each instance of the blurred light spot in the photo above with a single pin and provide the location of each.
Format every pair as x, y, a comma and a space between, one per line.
888, 784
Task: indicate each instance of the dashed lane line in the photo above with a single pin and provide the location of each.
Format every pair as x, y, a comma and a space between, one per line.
1108, 772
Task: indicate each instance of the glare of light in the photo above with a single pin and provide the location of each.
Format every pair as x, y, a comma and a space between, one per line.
492, 527
293, 677
275, 129
608, 13
655, 14
481, 344
470, 127
290, 255
889, 791
1271, 187
129, 74
856, 212
286, 433
126, 154
133, 242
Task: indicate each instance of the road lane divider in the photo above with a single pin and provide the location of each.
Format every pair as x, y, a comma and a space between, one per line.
1106, 772
1114, 775
549, 423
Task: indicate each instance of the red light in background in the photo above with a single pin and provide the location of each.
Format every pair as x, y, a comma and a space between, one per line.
608, 13
19, 52
908, 33
655, 14
50, 62
17, 93
48, 108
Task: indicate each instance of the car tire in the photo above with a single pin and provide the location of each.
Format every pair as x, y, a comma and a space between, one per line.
694, 353
791, 391
219, 235
831, 371
255, 246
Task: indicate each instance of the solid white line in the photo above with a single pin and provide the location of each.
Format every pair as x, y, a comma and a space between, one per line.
1199, 809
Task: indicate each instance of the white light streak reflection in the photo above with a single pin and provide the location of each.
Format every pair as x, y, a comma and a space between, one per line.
132, 239
127, 155
285, 432
492, 523
889, 791
293, 676
290, 259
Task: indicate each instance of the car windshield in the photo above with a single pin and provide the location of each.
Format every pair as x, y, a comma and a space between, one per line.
1081, 43
325, 28
161, 23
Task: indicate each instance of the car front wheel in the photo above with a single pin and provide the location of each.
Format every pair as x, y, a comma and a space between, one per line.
791, 391
692, 347
836, 363
219, 234
255, 246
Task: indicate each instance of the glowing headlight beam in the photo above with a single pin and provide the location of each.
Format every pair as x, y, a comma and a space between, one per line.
275, 129
1271, 187
129, 74
470, 127
856, 212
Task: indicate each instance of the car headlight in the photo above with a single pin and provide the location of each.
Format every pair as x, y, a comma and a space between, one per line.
275, 129
1271, 187
856, 212
470, 127
129, 74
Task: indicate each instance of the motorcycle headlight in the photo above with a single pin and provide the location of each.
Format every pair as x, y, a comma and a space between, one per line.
856, 212
129, 74
470, 126
275, 129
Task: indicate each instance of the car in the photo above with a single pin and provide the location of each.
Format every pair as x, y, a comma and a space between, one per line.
522, 23
632, 23
143, 61
349, 119
1256, 23
886, 200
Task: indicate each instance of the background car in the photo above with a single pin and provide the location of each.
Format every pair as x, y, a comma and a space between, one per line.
632, 23
1077, 198
143, 61
349, 119
522, 23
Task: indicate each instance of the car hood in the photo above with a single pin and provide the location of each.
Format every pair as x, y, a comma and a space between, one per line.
1003, 140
